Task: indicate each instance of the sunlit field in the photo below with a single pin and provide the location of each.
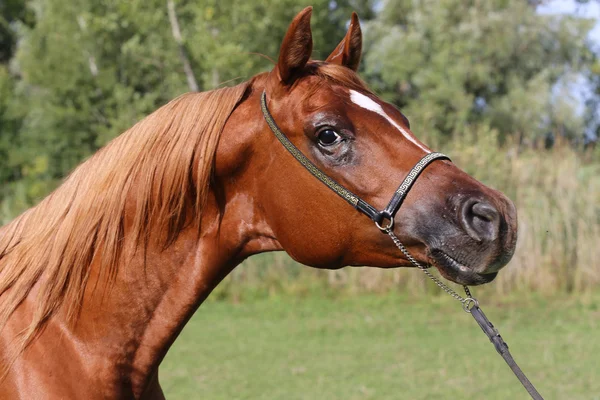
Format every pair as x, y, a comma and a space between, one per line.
383, 347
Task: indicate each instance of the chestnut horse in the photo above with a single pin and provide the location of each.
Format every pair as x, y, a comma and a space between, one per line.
98, 280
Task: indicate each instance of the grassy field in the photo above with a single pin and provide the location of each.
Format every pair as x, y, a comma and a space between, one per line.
384, 347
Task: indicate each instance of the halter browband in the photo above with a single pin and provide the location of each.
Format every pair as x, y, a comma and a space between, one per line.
358, 203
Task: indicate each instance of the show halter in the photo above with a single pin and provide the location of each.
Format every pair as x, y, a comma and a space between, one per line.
470, 304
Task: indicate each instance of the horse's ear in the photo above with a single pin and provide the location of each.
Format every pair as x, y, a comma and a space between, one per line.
296, 47
349, 51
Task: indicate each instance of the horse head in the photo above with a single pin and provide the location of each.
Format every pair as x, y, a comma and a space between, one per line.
448, 219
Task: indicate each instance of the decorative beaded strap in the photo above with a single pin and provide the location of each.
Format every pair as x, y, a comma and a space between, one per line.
358, 203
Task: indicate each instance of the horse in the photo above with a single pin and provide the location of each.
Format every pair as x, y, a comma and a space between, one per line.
98, 280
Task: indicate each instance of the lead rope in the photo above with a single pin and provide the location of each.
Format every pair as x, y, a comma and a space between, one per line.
471, 306
469, 303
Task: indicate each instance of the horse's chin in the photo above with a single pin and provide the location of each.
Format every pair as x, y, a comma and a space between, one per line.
456, 271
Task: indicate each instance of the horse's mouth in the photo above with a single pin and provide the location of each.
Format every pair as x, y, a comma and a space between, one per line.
457, 272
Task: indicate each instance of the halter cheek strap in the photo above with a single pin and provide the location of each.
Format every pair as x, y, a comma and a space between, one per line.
377, 216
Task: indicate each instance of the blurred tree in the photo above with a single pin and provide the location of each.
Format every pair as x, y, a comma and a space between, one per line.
9, 126
449, 63
231, 35
92, 69
84, 70
13, 14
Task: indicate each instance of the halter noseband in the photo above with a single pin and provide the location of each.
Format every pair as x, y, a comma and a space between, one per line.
377, 216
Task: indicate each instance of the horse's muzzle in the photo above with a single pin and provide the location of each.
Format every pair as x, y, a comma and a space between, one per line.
472, 245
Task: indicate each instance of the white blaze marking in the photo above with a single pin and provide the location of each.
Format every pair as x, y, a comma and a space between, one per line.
367, 103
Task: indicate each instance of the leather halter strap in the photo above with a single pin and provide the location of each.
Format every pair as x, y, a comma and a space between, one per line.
376, 215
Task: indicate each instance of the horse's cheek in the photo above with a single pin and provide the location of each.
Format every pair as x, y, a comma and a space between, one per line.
320, 244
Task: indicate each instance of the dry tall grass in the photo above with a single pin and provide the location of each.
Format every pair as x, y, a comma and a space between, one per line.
557, 194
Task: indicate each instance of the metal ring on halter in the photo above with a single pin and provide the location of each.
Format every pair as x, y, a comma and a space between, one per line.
469, 303
386, 228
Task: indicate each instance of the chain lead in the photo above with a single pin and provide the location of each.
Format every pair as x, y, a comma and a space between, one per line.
471, 306
466, 302
467, 291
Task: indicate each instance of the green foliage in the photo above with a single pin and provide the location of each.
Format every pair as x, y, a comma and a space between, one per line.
453, 63
8, 125
228, 46
12, 12
89, 70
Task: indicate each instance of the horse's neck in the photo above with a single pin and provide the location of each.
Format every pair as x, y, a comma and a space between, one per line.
125, 327
134, 322
123, 331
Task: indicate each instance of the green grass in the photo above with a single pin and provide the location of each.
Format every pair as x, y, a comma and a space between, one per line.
384, 347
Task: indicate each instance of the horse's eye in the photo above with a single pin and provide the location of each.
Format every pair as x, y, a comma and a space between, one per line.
328, 137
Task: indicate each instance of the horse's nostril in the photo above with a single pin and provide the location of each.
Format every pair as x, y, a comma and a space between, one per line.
485, 211
480, 220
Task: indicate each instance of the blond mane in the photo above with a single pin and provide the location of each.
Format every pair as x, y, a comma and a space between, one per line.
161, 166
